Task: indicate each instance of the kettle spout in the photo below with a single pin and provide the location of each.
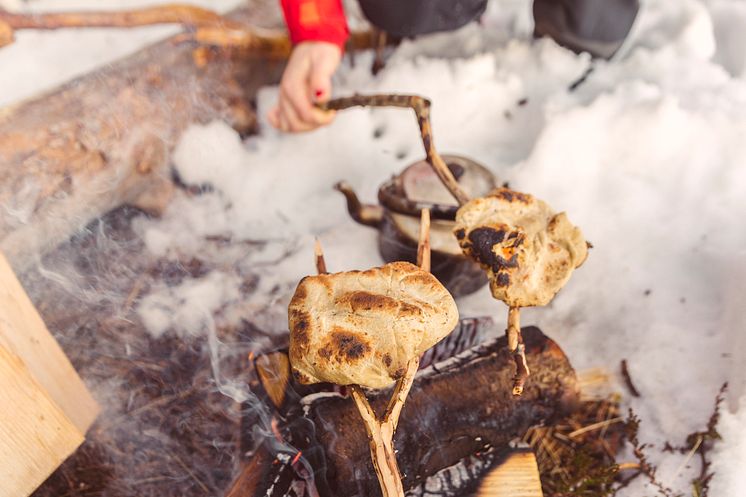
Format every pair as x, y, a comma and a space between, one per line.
367, 214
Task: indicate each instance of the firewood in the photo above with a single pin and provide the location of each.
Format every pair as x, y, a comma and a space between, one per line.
24, 333
202, 25
459, 409
35, 434
104, 139
456, 409
517, 476
46, 408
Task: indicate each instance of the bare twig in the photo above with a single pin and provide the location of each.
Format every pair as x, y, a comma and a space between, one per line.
595, 426
628, 379
320, 262
423, 247
514, 327
421, 107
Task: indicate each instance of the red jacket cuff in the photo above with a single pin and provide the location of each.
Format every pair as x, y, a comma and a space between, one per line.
316, 20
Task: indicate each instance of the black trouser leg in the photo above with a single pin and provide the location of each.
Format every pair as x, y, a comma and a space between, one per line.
405, 18
595, 26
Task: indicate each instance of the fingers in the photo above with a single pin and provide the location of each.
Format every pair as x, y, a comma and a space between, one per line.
293, 121
320, 80
307, 79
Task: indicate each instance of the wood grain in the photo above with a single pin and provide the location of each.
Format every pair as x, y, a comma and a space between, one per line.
24, 334
35, 434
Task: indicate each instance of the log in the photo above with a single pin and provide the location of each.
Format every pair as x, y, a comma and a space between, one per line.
453, 411
45, 409
104, 139
456, 409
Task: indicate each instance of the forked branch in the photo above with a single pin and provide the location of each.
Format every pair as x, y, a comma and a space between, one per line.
381, 431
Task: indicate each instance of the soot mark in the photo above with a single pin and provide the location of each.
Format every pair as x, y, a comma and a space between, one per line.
301, 323
345, 346
482, 241
511, 196
387, 360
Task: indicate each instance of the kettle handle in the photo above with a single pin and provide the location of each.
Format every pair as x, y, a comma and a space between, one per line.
366, 214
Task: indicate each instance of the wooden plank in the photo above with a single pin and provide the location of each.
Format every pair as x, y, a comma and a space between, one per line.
35, 434
517, 476
24, 334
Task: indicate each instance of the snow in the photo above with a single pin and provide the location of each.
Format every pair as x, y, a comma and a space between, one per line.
647, 156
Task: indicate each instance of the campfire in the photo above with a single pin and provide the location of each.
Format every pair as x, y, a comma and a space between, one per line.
375, 385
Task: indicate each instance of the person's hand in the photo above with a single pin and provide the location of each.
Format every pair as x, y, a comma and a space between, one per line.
307, 79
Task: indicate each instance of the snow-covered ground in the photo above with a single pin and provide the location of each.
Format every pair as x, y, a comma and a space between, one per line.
647, 156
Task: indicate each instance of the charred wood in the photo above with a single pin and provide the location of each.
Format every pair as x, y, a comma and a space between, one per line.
463, 408
458, 409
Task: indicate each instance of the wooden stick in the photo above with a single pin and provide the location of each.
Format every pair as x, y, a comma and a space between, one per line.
421, 107
393, 411
423, 246
381, 438
518, 349
320, 262
203, 23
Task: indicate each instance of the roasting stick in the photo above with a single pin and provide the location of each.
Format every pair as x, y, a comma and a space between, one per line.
381, 431
518, 349
203, 26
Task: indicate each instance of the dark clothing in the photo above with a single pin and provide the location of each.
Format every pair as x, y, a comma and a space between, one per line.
595, 26
405, 18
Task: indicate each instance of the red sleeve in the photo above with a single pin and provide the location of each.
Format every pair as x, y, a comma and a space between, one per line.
316, 20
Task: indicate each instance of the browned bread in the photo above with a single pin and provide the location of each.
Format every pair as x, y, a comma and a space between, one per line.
362, 327
528, 251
